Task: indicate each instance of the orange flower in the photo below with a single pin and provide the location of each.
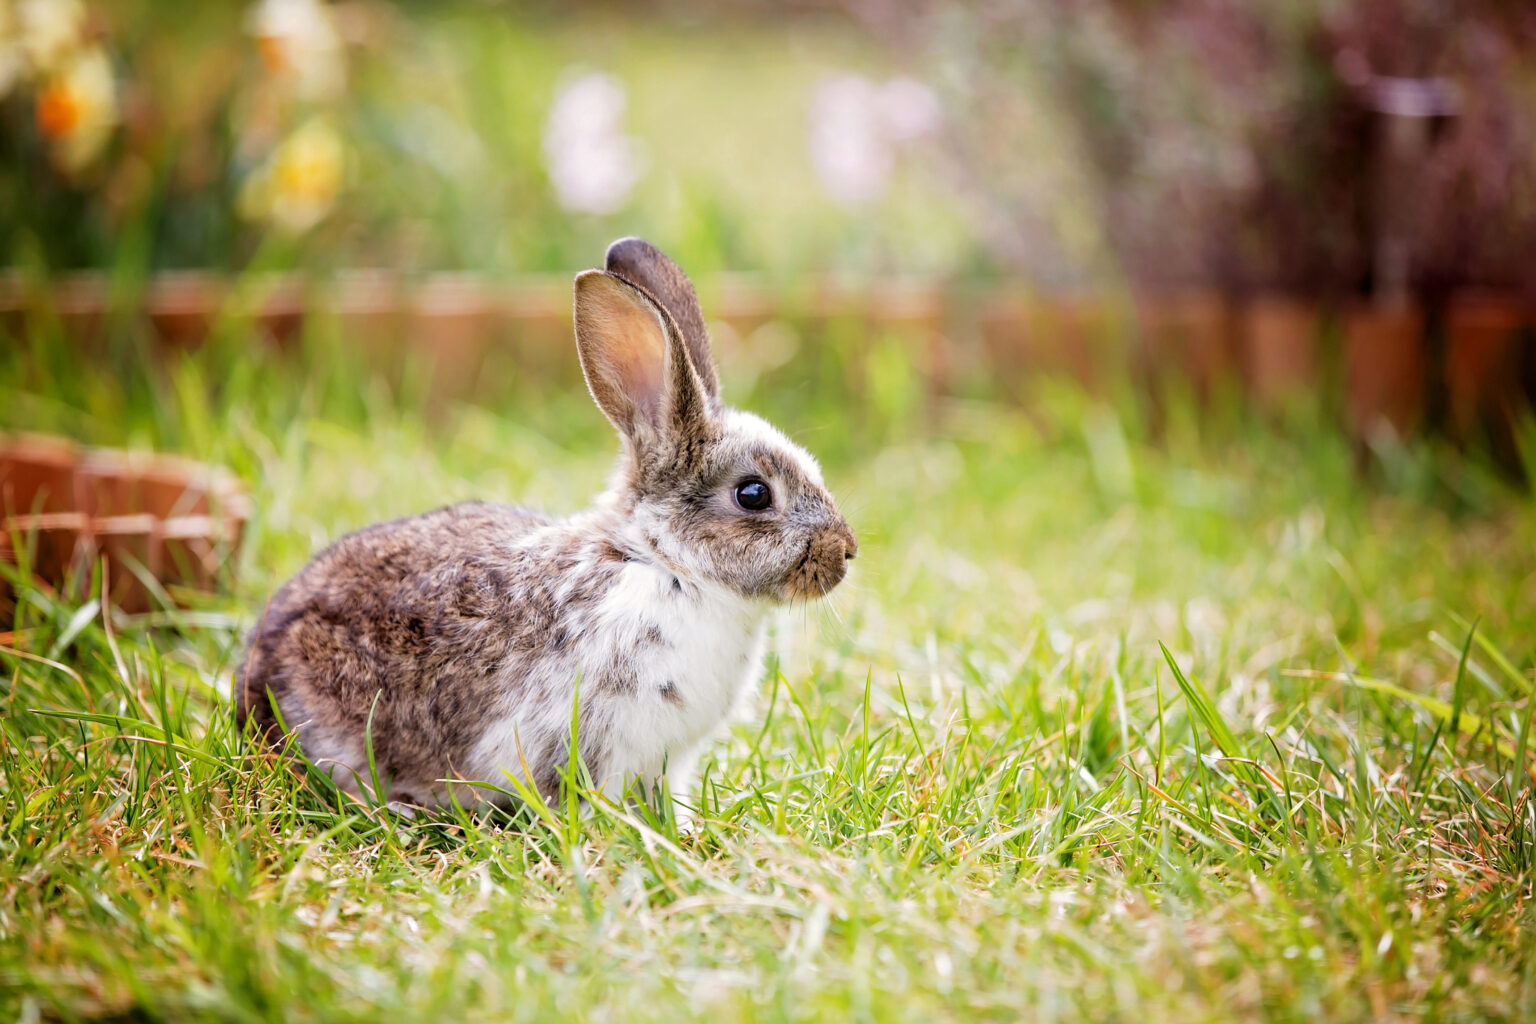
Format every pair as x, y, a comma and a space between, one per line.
76, 108
58, 110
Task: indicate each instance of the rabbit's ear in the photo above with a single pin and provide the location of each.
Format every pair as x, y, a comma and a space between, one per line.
634, 359
641, 263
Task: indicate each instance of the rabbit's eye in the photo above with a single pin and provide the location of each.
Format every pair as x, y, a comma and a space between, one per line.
753, 495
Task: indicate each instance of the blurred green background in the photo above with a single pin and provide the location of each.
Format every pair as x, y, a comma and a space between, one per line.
1066, 143
1170, 167
424, 137
1317, 209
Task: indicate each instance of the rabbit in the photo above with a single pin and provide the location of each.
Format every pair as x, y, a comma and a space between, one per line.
459, 643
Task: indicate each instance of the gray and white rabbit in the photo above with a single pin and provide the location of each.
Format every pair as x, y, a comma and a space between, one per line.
454, 641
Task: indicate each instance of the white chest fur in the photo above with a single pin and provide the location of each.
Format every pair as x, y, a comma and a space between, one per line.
686, 652
661, 663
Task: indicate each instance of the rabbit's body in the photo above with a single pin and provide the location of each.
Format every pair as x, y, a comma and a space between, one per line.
426, 636
458, 644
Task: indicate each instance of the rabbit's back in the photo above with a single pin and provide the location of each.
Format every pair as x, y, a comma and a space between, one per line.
397, 632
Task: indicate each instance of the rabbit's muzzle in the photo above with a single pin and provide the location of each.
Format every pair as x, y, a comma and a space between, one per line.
824, 563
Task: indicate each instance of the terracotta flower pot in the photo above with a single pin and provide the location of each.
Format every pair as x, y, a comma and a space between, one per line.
13, 303
1281, 339
38, 508
914, 312
1079, 339
739, 300
365, 312
1083, 338
78, 301
176, 522
1186, 337
280, 310
1385, 369
450, 323
1483, 339
915, 307
37, 474
533, 337
182, 306
1002, 324
57, 546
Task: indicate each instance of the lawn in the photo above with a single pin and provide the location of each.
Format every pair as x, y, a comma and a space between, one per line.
1105, 726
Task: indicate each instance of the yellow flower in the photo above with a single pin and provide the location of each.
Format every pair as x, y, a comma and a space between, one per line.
76, 108
300, 181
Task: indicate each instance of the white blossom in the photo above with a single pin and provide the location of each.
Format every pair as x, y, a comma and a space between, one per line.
299, 44
591, 163
49, 31
909, 109
856, 125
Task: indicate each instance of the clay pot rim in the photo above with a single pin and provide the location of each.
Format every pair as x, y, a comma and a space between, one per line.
168, 526
27, 522
40, 447
156, 467
222, 488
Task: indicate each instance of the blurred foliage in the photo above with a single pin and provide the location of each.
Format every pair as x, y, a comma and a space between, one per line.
1070, 142
417, 136
1233, 142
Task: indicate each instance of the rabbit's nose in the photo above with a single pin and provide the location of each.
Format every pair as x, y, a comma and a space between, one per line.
850, 545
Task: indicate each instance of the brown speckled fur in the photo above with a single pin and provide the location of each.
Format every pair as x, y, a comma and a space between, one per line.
420, 614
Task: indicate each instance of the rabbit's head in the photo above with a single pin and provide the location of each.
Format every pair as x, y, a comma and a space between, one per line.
716, 493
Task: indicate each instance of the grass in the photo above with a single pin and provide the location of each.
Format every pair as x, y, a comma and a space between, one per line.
1108, 729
